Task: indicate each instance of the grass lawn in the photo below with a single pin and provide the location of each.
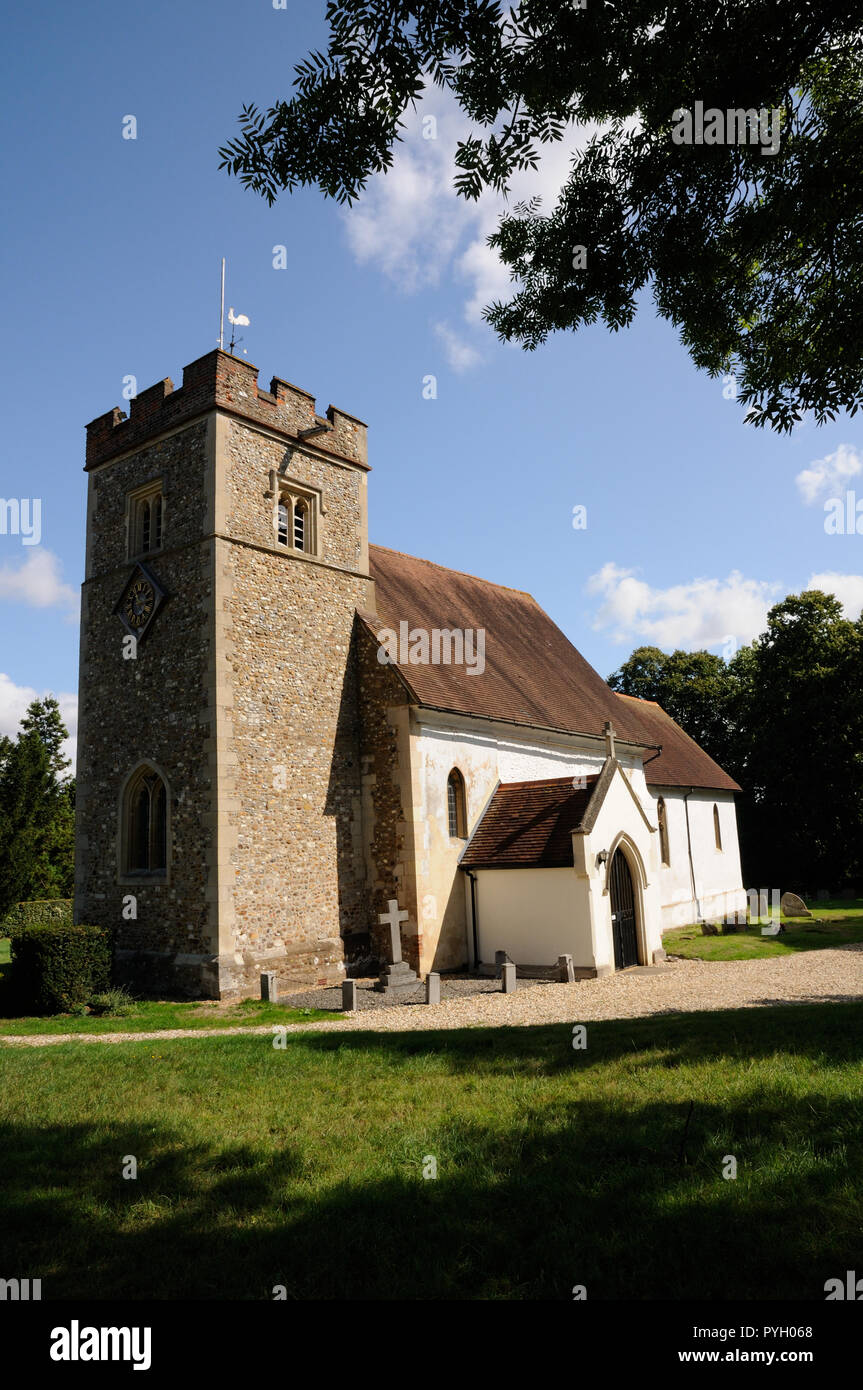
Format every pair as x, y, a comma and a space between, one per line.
303, 1167
150, 1015
841, 922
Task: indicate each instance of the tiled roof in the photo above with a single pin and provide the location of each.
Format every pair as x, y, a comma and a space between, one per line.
533, 674
529, 824
682, 762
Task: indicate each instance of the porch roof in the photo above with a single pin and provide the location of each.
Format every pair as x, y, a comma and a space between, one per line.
529, 825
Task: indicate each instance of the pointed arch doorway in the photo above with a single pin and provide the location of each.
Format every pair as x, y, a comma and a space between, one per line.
623, 924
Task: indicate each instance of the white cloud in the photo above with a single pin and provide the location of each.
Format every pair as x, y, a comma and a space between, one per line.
411, 224
848, 588
703, 613
409, 221
459, 354
37, 582
829, 476
14, 700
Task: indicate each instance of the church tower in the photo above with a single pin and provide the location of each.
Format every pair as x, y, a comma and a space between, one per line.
219, 789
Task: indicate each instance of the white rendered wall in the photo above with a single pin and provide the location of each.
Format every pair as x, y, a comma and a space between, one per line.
718, 883
621, 817
532, 915
483, 759
486, 756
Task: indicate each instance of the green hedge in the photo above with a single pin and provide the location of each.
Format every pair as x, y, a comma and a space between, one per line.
56, 965
35, 913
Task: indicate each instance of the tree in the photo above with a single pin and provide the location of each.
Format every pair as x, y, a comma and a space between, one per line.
802, 743
785, 718
749, 238
693, 687
36, 810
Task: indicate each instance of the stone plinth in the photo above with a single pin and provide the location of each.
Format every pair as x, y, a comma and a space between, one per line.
397, 978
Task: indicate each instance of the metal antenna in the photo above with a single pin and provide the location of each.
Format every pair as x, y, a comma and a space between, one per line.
222, 312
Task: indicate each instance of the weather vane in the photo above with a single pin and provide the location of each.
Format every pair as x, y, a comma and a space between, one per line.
235, 320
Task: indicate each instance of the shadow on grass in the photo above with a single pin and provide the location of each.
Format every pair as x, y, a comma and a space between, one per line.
536, 1191
830, 1033
599, 1199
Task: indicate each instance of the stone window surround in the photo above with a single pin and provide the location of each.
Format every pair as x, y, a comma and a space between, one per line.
148, 492
285, 488
124, 878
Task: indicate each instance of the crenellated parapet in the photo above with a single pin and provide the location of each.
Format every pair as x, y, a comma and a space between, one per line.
224, 382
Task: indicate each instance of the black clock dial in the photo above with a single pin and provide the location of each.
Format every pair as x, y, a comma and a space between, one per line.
139, 603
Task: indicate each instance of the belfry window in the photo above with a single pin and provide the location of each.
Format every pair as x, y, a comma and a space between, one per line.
145, 825
717, 832
295, 520
146, 510
455, 804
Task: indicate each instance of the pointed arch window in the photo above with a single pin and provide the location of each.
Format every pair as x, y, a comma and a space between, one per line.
456, 808
145, 825
295, 519
146, 517
717, 830
663, 831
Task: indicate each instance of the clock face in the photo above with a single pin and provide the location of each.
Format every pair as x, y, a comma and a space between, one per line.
139, 603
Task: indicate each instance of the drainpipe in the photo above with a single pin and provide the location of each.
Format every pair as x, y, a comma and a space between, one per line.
473, 917
689, 847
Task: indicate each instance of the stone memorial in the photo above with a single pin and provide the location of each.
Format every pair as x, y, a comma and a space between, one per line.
396, 976
507, 974
793, 906
349, 995
432, 988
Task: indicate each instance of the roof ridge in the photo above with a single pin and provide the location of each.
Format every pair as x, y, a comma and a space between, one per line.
640, 698
492, 583
547, 781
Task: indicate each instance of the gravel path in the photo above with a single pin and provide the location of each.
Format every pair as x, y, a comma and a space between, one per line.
809, 977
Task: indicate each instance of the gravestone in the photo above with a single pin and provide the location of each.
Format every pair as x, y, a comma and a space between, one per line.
396, 976
793, 906
507, 974
432, 988
349, 995
269, 987
566, 970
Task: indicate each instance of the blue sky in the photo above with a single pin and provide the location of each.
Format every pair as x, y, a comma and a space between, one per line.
695, 521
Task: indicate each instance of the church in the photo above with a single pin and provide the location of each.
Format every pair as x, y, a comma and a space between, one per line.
283, 729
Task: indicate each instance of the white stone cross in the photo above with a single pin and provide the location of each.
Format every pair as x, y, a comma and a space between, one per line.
391, 919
